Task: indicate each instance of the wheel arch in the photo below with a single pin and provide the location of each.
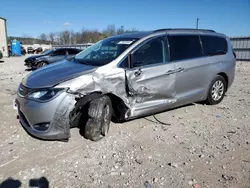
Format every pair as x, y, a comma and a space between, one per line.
119, 108
224, 75
41, 60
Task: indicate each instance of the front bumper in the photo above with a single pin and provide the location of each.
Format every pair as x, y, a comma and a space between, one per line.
29, 64
53, 114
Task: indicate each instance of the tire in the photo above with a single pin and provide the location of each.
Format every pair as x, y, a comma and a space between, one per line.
41, 64
99, 112
216, 91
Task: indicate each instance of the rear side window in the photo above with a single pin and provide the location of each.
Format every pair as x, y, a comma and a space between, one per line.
184, 47
213, 45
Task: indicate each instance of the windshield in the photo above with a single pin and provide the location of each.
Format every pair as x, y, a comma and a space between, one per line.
104, 51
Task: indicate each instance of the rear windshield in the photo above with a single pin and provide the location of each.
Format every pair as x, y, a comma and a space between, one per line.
104, 51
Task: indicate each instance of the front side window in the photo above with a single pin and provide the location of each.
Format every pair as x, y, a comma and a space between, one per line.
152, 52
72, 51
184, 47
60, 52
104, 51
213, 45
47, 52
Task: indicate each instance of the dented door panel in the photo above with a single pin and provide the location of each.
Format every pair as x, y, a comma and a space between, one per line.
153, 90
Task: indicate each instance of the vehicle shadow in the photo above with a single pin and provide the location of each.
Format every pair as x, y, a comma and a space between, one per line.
1, 61
38, 183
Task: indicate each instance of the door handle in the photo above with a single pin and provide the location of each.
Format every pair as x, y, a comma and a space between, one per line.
138, 72
175, 71
170, 72
180, 69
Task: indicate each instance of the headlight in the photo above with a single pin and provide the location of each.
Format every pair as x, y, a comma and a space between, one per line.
44, 95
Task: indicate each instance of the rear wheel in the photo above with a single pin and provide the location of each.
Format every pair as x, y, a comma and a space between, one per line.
100, 112
217, 90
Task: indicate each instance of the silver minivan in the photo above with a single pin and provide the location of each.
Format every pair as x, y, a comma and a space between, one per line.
124, 77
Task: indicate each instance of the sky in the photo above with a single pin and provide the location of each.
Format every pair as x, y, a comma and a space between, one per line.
32, 17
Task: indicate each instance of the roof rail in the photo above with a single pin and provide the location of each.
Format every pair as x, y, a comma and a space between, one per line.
183, 29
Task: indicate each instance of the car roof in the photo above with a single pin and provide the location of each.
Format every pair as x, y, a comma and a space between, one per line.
138, 34
141, 34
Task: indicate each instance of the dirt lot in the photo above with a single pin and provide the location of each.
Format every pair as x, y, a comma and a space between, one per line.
203, 146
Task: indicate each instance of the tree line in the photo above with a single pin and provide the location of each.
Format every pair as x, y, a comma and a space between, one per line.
72, 37
29, 40
83, 36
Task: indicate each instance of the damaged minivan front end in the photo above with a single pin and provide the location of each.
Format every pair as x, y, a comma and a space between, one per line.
51, 100
44, 105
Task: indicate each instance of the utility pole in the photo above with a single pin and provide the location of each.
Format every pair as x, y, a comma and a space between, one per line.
197, 23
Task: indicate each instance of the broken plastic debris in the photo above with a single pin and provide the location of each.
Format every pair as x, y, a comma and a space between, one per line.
227, 177
196, 185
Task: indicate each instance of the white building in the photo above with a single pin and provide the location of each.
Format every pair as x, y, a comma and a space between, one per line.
3, 37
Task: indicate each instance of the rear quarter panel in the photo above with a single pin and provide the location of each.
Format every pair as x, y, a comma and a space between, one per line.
221, 64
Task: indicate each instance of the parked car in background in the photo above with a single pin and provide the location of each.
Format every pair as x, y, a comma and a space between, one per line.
23, 51
125, 77
50, 56
38, 50
9, 50
30, 50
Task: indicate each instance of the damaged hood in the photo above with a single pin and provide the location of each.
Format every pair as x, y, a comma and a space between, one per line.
55, 73
34, 57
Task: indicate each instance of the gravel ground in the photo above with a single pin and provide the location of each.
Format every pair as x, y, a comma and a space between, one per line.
203, 146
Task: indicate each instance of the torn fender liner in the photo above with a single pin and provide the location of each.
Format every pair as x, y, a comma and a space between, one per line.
114, 84
61, 120
84, 100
